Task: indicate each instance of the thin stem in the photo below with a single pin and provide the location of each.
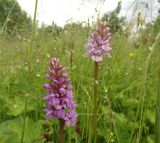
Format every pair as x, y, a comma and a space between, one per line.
33, 34
61, 131
95, 101
157, 123
141, 105
71, 50
7, 18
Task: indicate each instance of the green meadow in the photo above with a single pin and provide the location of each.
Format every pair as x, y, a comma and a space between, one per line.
128, 84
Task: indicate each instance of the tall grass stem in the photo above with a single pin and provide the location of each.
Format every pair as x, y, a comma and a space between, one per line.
33, 36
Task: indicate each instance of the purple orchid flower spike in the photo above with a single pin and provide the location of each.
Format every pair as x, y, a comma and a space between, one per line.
98, 45
98, 42
59, 98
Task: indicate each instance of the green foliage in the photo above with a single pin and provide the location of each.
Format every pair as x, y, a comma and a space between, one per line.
11, 131
13, 20
16, 106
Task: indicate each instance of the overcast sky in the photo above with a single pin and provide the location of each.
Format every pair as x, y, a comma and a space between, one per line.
60, 11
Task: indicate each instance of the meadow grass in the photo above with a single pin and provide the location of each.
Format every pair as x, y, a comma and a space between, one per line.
120, 89
126, 90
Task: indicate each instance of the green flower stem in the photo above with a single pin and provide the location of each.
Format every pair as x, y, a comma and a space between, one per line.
95, 101
61, 131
